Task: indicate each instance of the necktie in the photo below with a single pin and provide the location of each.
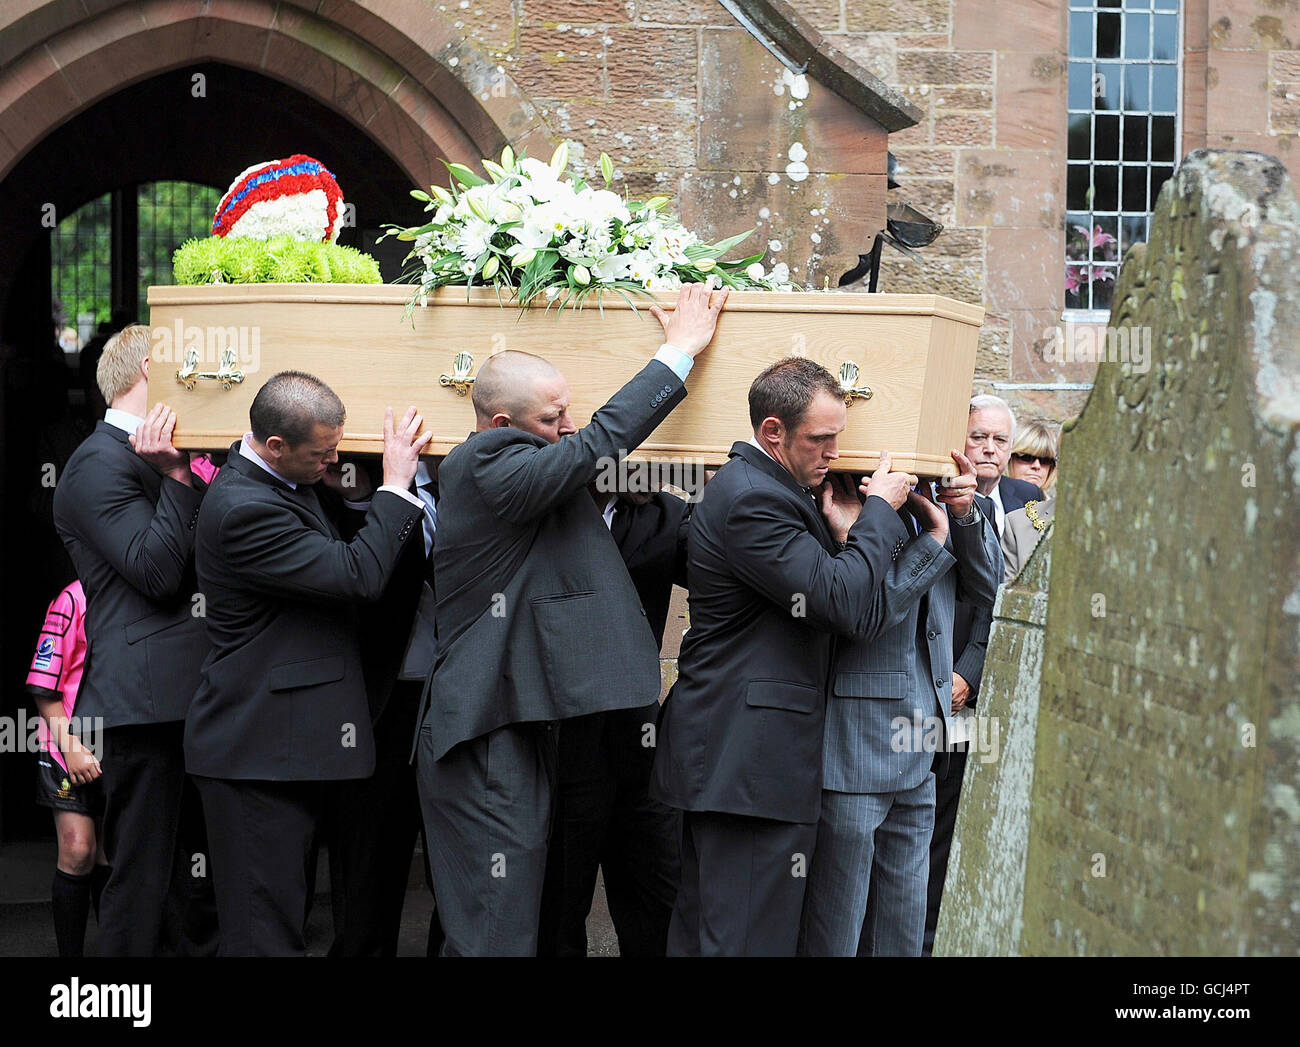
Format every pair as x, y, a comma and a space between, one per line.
428, 495
622, 523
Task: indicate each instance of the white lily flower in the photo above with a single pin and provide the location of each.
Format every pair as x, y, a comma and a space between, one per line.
607, 206
474, 237
755, 271
610, 267
640, 266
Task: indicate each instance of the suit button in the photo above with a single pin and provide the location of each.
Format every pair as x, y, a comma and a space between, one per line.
931, 634
938, 683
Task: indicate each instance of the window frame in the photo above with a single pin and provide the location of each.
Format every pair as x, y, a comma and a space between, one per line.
1093, 7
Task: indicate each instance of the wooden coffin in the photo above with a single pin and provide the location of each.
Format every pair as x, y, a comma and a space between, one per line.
914, 357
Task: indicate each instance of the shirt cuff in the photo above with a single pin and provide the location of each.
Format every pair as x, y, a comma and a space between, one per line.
402, 492
678, 362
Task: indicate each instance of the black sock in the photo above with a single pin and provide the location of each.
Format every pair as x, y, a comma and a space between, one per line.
71, 907
98, 877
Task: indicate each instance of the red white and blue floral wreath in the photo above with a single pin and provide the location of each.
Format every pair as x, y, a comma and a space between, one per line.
294, 197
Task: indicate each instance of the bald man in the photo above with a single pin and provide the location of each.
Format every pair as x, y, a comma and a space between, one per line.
538, 621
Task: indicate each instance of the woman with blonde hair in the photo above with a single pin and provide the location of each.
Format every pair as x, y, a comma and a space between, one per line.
1033, 458
1033, 455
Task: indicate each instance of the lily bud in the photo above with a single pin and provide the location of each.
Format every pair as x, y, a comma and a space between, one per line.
705, 265
524, 257
490, 267
508, 158
560, 158
582, 274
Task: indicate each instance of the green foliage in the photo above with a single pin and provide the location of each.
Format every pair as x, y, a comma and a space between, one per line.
241, 260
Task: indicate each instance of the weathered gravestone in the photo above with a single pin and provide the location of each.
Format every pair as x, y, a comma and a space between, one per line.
983, 900
1164, 816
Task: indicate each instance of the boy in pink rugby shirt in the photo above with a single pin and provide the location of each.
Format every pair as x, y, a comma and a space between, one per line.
66, 771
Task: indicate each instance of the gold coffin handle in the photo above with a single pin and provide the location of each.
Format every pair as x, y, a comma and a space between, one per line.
460, 378
849, 372
226, 373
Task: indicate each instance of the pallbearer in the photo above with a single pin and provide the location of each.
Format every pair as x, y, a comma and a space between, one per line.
282, 705
126, 508
537, 619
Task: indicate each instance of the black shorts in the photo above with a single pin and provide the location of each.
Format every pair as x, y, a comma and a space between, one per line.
55, 789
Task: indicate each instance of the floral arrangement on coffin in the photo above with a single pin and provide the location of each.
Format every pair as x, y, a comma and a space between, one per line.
277, 223
532, 231
1085, 243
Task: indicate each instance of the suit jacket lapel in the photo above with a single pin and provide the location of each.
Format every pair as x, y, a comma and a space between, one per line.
811, 511
303, 496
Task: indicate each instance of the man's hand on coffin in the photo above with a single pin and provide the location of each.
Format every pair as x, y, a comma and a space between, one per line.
691, 324
839, 504
886, 484
402, 444
958, 492
152, 441
932, 518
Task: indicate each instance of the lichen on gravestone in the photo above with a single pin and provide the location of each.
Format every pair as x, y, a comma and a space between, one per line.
1164, 817
983, 900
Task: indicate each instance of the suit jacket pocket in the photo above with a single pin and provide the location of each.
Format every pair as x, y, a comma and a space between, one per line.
562, 597
306, 674
155, 623
873, 685
779, 694
593, 649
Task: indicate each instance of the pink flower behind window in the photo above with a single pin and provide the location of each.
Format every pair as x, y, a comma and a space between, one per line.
1100, 239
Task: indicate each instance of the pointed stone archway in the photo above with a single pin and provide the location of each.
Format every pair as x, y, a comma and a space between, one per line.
398, 69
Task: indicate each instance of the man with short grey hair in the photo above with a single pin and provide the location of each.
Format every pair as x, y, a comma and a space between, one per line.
990, 433
281, 708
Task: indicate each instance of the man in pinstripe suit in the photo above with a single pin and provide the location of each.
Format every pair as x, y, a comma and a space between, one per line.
889, 712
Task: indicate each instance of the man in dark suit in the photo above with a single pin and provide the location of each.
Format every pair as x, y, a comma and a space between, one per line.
538, 622
604, 815
888, 716
282, 705
990, 433
371, 824
126, 508
775, 571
